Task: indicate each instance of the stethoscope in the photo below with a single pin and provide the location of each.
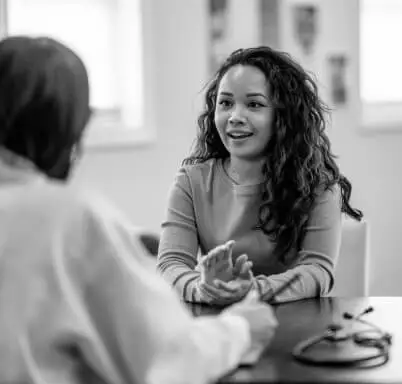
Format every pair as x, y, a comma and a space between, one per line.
374, 337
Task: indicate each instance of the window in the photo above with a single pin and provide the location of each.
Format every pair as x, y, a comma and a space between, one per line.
381, 63
107, 35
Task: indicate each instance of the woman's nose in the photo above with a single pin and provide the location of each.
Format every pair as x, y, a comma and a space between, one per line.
237, 117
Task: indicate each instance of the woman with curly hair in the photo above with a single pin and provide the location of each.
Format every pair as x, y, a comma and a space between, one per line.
260, 198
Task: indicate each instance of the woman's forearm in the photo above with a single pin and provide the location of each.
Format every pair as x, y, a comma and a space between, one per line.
314, 281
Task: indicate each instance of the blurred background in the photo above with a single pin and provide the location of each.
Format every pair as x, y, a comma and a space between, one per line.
149, 60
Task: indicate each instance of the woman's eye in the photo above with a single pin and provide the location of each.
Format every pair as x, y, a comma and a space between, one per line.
255, 104
225, 103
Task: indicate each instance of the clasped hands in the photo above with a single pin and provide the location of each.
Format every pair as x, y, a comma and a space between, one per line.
222, 280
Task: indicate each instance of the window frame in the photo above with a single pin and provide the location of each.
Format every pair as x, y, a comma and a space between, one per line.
106, 129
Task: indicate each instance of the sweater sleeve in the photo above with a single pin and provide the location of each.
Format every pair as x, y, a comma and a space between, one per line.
148, 334
317, 256
177, 256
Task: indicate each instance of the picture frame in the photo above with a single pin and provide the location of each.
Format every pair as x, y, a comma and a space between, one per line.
337, 70
305, 26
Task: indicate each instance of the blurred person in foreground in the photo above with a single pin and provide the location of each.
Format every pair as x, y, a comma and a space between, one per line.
79, 299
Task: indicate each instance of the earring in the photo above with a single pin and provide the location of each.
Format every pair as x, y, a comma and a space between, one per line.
74, 154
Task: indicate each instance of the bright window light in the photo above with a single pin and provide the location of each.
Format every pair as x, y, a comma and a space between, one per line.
380, 53
106, 34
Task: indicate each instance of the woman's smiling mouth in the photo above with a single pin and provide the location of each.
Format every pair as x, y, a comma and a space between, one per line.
236, 135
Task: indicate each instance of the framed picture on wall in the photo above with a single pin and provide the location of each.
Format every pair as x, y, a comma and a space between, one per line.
337, 70
218, 32
305, 26
231, 25
269, 23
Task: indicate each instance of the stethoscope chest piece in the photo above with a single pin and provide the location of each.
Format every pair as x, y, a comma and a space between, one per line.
337, 347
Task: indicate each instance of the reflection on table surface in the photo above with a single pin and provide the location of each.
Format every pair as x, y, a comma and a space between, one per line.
305, 318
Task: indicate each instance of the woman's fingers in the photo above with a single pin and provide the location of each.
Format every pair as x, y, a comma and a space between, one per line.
224, 254
212, 258
205, 263
242, 266
229, 250
215, 255
246, 269
217, 264
239, 263
220, 257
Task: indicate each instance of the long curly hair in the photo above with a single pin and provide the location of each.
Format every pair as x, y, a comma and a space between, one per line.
299, 163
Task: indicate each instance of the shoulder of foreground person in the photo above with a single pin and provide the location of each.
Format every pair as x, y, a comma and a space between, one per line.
80, 215
60, 201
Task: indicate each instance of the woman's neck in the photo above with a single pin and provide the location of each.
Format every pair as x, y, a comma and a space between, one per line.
244, 172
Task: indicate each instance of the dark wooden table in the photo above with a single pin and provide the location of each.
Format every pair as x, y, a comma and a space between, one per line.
302, 319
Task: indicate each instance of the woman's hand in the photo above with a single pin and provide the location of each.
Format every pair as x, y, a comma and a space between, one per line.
222, 281
224, 293
218, 265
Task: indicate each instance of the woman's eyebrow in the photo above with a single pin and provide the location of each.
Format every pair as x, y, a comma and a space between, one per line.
251, 94
225, 93
256, 94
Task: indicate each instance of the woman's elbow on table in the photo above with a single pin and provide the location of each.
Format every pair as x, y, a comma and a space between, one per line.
325, 281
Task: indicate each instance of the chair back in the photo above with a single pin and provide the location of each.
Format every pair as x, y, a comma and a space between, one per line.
352, 270
150, 240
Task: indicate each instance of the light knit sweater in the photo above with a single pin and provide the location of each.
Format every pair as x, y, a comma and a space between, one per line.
206, 209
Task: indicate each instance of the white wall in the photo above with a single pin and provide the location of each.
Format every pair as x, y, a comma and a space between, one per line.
138, 179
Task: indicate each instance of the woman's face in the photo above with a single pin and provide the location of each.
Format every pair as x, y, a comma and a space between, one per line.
243, 112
